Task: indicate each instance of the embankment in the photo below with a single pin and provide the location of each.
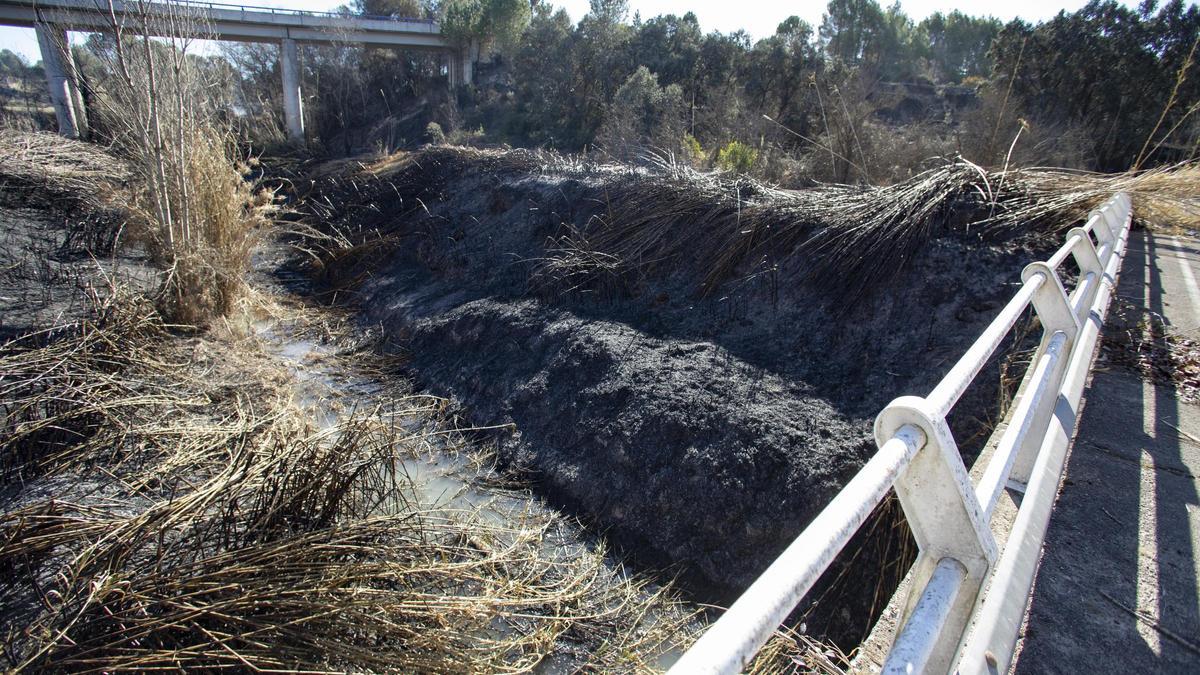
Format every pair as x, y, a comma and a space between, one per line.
690, 363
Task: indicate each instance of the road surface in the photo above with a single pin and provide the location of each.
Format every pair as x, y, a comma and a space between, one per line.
1117, 587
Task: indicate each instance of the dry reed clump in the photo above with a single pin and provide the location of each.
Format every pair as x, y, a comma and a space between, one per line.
205, 237
45, 169
45, 166
208, 259
197, 212
168, 515
666, 218
851, 239
59, 386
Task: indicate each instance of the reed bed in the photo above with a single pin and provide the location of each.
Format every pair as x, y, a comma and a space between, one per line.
172, 512
45, 166
78, 180
842, 240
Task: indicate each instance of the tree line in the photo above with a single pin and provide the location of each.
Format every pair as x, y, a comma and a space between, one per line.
1087, 88
869, 94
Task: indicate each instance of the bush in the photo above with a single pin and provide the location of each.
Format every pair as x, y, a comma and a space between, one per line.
643, 117
737, 157
194, 209
434, 134
692, 150
468, 137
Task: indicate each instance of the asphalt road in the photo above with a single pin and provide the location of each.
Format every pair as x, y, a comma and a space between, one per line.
1117, 589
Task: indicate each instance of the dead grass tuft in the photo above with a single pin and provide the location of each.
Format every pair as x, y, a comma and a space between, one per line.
666, 219
180, 512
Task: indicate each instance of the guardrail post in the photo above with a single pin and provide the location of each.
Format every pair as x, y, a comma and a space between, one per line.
1088, 260
944, 515
1053, 308
1085, 253
1104, 229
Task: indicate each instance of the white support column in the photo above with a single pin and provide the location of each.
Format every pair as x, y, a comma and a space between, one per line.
1053, 308
453, 69
293, 108
82, 123
51, 41
947, 521
469, 57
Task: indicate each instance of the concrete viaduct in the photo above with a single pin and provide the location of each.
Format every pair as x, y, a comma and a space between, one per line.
53, 18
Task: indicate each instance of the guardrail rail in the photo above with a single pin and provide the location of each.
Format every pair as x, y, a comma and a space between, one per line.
290, 12
967, 598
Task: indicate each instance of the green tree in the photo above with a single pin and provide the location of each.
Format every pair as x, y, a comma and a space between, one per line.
544, 83
602, 60
405, 9
496, 25
1108, 70
882, 42
850, 29
643, 116
779, 70
11, 64
959, 44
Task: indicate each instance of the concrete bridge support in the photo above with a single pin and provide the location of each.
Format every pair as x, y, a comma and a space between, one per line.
460, 66
62, 79
293, 107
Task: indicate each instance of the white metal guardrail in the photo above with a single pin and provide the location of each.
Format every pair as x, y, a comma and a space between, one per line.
967, 599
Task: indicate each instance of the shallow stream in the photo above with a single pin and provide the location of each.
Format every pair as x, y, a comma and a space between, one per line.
437, 478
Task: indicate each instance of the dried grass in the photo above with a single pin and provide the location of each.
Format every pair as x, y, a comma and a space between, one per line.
791, 653
80, 179
1148, 347
47, 165
665, 219
198, 520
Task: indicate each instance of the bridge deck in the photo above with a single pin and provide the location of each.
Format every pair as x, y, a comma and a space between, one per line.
221, 21
1117, 587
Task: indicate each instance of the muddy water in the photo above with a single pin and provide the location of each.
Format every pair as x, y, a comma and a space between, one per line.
441, 478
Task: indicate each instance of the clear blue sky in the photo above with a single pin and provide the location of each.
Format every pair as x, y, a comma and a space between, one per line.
757, 17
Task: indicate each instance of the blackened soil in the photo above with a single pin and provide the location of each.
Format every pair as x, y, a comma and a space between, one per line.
50, 270
701, 434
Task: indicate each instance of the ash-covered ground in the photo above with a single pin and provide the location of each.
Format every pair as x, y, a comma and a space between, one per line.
52, 267
700, 428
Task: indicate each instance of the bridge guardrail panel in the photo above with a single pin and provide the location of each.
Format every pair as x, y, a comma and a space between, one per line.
966, 600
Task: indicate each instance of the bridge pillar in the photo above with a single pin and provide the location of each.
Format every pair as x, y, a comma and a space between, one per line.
469, 57
63, 95
293, 108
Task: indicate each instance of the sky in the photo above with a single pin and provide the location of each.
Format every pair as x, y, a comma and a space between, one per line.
757, 17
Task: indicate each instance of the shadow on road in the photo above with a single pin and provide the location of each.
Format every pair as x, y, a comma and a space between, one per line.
1117, 585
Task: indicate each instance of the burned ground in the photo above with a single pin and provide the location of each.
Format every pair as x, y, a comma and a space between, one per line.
697, 398
184, 498
60, 226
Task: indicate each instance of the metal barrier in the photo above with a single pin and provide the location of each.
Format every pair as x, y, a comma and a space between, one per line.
290, 12
967, 599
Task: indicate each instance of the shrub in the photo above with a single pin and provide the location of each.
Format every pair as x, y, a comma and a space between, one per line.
467, 136
737, 157
193, 208
643, 117
434, 134
693, 151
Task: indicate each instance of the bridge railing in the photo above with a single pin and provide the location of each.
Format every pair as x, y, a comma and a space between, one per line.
280, 11
296, 12
967, 598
